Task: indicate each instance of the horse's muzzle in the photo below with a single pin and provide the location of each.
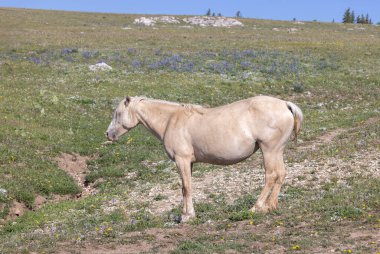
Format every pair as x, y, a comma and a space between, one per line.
111, 136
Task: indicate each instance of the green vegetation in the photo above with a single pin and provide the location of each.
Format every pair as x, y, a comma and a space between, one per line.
349, 17
51, 103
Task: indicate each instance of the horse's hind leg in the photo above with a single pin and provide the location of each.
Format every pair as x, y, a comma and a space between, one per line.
270, 179
272, 201
274, 177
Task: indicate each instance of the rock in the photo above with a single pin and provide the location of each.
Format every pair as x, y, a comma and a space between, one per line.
38, 231
100, 67
3, 192
167, 20
275, 29
205, 21
154, 20
196, 20
144, 21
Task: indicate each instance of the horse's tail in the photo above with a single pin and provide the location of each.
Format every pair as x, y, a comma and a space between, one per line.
298, 118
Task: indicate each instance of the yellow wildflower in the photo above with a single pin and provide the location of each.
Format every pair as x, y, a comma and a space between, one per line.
296, 247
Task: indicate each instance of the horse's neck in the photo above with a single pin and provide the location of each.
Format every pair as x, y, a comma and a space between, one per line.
155, 116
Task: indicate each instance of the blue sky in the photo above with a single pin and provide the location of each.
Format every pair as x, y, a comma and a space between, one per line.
321, 10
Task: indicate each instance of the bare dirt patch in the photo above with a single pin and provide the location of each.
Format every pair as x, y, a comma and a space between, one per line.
73, 164
314, 173
38, 202
235, 181
321, 140
153, 240
76, 166
229, 182
165, 240
16, 209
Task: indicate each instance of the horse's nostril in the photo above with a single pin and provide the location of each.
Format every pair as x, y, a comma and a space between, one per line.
107, 134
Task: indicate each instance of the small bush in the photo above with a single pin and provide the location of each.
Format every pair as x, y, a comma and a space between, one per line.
242, 215
298, 88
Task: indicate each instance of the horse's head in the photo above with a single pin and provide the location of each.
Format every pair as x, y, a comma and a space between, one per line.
124, 119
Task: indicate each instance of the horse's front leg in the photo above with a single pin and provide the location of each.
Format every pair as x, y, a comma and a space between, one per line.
184, 166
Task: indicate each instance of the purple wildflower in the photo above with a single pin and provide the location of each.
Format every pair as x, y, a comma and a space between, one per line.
132, 51
36, 60
136, 63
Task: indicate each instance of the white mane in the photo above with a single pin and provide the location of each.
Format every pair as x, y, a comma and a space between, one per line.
139, 98
190, 108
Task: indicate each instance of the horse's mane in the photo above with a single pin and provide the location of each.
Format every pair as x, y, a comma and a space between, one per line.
140, 98
189, 108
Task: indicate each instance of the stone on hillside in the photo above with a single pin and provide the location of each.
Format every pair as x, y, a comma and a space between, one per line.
154, 20
100, 67
3, 192
144, 21
205, 21
167, 20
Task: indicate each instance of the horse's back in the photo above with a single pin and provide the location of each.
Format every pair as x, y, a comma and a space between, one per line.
232, 131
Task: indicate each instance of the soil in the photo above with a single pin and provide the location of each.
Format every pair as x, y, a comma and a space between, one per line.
38, 202
233, 182
165, 240
16, 209
76, 166
73, 164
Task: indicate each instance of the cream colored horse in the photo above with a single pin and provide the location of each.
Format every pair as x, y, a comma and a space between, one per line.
223, 135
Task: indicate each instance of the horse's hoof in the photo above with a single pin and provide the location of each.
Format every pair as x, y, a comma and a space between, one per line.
263, 209
272, 206
187, 217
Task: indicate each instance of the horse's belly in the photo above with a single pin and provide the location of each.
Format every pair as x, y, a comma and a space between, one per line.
223, 154
223, 141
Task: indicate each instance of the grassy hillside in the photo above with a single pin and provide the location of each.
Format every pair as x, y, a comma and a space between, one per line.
52, 104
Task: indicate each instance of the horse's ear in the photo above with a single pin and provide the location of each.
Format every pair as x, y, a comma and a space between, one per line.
127, 101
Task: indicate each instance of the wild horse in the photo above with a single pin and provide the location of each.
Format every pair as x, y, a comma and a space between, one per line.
223, 135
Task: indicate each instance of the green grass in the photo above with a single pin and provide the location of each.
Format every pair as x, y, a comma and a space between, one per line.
339, 208
51, 103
